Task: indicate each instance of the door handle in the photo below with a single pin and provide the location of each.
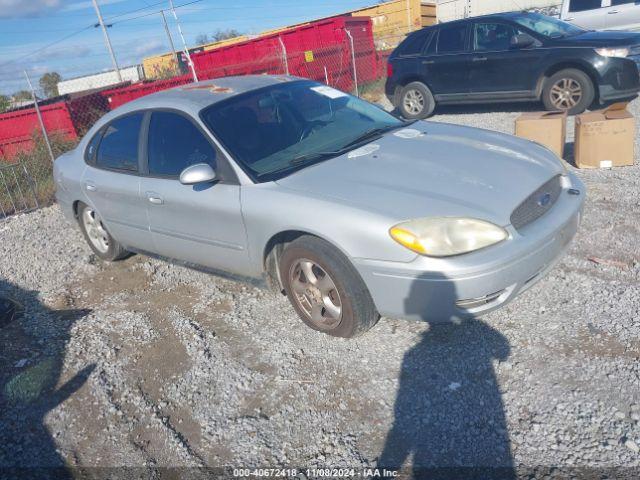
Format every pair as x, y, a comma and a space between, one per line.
428, 62
613, 12
90, 186
154, 198
569, 19
480, 59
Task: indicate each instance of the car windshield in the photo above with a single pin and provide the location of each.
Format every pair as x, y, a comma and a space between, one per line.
547, 26
276, 130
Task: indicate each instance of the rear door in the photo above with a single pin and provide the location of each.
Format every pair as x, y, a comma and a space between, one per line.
623, 14
445, 64
201, 223
111, 180
497, 67
588, 14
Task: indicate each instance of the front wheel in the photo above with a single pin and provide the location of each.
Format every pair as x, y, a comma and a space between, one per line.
416, 101
325, 289
569, 90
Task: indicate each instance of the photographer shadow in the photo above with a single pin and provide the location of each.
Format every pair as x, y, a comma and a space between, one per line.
449, 416
34, 340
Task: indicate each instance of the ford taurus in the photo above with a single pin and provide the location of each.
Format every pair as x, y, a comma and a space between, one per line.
349, 211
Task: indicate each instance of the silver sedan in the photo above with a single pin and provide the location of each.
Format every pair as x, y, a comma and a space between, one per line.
347, 210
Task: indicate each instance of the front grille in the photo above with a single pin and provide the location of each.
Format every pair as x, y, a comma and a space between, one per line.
537, 204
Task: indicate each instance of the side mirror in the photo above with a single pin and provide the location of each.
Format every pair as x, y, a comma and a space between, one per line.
522, 40
198, 173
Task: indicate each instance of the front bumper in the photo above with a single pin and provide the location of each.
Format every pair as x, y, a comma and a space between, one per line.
442, 290
620, 79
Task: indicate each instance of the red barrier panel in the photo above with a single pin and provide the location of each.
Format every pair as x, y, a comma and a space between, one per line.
320, 50
17, 127
121, 95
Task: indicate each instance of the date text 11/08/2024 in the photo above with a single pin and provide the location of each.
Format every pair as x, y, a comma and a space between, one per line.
315, 473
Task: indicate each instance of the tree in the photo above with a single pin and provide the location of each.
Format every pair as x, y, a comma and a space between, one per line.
5, 103
49, 83
202, 39
22, 95
217, 36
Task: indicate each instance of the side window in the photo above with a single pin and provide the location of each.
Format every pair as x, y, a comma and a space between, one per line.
452, 39
175, 143
584, 5
493, 36
118, 149
413, 45
615, 3
90, 152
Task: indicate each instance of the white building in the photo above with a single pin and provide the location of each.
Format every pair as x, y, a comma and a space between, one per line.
99, 80
457, 9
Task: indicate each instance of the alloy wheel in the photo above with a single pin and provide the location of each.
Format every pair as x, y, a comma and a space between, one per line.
96, 232
315, 293
566, 93
413, 102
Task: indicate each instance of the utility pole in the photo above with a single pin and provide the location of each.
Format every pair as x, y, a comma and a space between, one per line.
173, 47
107, 40
184, 43
37, 107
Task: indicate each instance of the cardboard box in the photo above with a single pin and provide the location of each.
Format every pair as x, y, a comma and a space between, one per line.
605, 138
547, 128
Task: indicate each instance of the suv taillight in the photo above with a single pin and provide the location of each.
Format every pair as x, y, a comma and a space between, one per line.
389, 70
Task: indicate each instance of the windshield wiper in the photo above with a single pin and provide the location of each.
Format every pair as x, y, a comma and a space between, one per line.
314, 156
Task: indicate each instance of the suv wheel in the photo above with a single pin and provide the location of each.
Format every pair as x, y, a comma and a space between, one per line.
325, 289
97, 236
416, 101
569, 90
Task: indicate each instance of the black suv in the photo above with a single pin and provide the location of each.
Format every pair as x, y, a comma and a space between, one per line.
515, 56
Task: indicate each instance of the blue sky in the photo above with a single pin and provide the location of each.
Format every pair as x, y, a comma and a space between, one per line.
26, 26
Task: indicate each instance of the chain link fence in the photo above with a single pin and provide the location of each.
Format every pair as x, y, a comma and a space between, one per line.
32, 135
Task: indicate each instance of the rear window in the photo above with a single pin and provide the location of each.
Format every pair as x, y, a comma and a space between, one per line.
414, 44
583, 5
452, 39
118, 149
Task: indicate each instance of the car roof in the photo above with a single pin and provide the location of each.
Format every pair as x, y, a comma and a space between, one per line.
196, 96
498, 16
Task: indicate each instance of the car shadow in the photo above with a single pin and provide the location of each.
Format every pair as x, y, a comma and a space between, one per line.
34, 340
449, 416
488, 108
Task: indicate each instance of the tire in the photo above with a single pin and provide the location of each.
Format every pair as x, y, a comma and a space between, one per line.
569, 90
416, 101
99, 239
344, 290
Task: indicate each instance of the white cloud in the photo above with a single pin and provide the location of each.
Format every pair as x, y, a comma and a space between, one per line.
26, 8
88, 4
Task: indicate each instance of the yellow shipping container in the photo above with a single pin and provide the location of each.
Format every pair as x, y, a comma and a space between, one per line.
224, 43
160, 66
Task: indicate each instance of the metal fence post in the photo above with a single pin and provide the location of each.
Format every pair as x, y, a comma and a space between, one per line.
353, 60
284, 55
37, 107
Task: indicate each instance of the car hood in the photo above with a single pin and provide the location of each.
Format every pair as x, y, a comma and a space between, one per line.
433, 169
607, 38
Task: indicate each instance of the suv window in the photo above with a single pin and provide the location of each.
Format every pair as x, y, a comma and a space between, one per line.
413, 45
175, 143
118, 149
452, 39
615, 3
493, 36
583, 5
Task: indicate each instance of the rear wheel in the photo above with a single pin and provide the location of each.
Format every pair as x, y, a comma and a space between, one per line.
416, 101
569, 90
325, 289
97, 236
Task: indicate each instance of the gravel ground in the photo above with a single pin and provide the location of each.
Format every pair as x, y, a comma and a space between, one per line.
142, 363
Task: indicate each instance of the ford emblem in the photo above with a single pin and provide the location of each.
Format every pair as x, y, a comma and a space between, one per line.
544, 199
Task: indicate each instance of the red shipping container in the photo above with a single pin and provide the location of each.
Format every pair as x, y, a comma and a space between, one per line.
121, 95
319, 50
18, 127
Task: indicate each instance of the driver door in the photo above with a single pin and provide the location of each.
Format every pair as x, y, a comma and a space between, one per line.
201, 223
498, 68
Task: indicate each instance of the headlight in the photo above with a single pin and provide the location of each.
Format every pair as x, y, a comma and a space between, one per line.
613, 52
446, 236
